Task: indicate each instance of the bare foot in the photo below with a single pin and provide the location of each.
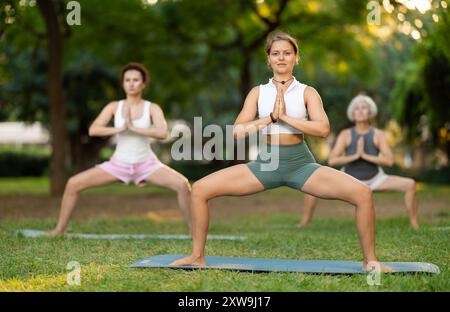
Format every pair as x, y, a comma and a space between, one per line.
302, 225
415, 225
55, 232
377, 266
190, 260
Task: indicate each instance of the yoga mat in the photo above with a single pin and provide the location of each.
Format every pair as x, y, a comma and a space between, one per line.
37, 233
442, 228
283, 265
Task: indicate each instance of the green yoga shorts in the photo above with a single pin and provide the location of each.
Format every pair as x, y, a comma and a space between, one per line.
294, 164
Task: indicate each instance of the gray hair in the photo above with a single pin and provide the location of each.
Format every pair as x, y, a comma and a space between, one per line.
359, 99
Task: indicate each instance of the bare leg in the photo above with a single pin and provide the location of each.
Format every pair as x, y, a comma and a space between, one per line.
408, 186
235, 180
329, 183
76, 184
309, 204
171, 179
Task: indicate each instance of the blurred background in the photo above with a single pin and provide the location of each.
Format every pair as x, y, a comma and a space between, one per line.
57, 73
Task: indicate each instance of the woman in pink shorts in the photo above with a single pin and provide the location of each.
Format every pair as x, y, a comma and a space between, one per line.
135, 122
362, 150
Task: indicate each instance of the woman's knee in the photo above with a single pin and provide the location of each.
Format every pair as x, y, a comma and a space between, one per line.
74, 185
199, 190
182, 185
411, 186
362, 194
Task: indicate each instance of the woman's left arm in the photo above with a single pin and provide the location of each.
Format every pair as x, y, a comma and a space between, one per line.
158, 130
318, 124
385, 157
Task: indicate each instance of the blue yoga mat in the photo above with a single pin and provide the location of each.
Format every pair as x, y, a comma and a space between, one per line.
282, 265
38, 233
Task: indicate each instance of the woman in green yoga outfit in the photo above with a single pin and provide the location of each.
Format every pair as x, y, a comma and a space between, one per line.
286, 109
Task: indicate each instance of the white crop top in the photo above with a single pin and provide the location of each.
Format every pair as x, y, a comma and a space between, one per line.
295, 106
132, 147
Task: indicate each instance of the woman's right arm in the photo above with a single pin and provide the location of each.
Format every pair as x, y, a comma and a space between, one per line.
100, 125
337, 155
245, 123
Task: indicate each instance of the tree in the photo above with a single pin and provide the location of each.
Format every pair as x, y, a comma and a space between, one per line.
51, 10
17, 21
203, 57
420, 100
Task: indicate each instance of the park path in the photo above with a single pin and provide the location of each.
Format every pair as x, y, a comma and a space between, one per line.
164, 206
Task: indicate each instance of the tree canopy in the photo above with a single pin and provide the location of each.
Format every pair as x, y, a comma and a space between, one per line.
204, 56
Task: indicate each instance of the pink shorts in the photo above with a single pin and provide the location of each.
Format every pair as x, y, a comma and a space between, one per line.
127, 172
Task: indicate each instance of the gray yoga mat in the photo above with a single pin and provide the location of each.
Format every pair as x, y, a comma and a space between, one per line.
442, 228
282, 265
37, 233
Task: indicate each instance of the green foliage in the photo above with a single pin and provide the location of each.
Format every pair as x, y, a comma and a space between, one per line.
195, 170
25, 93
29, 161
423, 85
17, 165
195, 49
441, 176
205, 55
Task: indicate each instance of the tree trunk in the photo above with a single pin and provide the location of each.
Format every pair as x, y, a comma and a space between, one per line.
419, 155
245, 83
85, 155
58, 135
447, 147
244, 88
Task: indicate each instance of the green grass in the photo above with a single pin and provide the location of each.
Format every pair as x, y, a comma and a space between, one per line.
40, 264
40, 186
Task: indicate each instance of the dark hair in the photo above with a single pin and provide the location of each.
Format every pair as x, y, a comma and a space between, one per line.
135, 66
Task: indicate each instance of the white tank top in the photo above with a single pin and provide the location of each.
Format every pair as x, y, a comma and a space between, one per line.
132, 147
295, 106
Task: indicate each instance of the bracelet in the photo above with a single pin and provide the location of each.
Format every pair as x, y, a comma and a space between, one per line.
273, 119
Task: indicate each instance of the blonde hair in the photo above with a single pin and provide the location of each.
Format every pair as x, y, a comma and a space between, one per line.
361, 98
279, 35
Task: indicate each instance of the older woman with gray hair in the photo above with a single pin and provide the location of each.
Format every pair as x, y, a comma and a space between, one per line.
362, 150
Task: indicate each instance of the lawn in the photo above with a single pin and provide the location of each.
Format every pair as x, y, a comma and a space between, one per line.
41, 264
